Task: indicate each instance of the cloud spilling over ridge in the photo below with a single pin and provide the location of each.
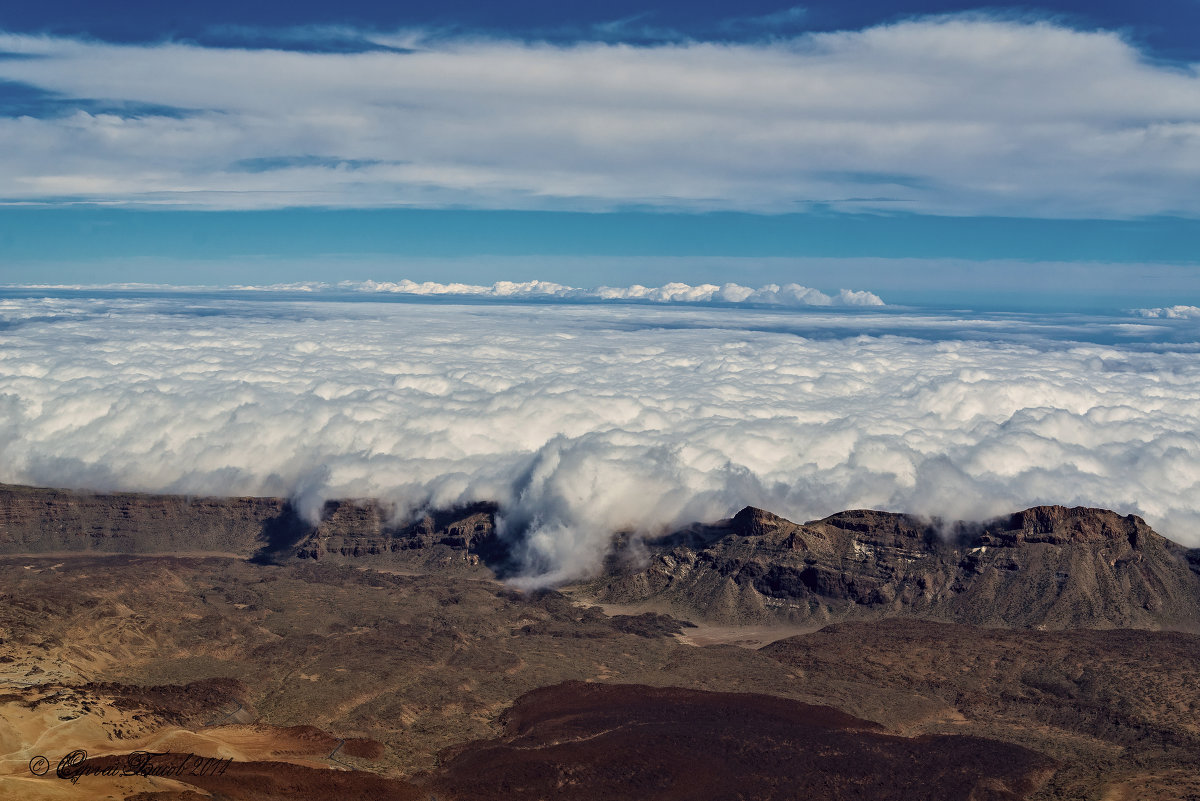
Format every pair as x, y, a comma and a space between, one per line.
582, 419
945, 115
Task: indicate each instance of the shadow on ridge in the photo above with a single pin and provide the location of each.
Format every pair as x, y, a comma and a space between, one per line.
280, 535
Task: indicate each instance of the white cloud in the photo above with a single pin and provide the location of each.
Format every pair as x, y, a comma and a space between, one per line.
1175, 312
792, 295
949, 115
584, 419
674, 292
1117, 284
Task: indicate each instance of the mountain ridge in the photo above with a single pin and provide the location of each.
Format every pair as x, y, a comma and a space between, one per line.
1043, 567
1047, 566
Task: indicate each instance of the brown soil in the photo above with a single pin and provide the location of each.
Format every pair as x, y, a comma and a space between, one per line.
591, 741
1119, 709
271, 781
321, 679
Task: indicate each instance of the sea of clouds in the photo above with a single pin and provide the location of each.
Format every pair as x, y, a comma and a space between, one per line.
583, 419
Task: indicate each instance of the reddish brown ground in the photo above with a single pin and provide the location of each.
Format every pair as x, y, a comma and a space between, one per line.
601, 741
611, 742
277, 781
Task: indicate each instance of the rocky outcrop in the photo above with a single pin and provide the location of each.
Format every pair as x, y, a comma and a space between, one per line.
461, 540
37, 521
1049, 566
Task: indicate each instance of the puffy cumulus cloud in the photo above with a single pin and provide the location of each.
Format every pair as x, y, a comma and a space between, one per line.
1176, 312
949, 115
500, 289
582, 420
675, 292
1079, 283
774, 294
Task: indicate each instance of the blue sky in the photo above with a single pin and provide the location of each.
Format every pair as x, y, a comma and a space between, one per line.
930, 149
1166, 27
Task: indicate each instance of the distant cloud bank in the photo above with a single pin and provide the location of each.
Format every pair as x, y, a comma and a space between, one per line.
771, 294
1173, 312
792, 295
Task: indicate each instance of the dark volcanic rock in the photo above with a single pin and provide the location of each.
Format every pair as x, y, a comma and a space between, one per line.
1061, 526
1047, 567
601, 741
253, 781
1105, 704
752, 522
460, 540
173, 702
34, 520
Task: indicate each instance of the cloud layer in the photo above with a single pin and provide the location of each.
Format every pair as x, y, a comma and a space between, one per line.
675, 292
585, 419
1175, 312
949, 115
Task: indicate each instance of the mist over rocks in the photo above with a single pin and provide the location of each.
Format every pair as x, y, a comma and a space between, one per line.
1044, 567
580, 421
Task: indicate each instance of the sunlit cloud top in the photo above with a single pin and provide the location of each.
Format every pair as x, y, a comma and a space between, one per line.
581, 420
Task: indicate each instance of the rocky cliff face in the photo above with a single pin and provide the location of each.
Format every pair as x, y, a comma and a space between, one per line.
1047, 567
459, 541
35, 520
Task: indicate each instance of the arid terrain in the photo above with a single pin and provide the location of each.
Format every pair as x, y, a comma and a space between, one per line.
1048, 655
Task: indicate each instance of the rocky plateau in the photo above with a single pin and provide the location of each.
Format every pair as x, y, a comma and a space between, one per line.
1048, 654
